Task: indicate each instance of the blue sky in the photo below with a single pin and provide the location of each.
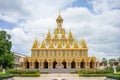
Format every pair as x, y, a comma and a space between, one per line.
82, 3
7, 25
96, 20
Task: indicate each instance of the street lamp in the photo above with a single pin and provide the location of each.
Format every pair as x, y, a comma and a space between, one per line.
114, 67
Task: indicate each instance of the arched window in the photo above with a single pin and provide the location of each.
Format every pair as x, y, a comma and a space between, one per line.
45, 64
73, 64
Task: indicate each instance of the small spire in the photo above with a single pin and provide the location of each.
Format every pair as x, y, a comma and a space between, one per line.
75, 44
48, 34
70, 34
35, 43
43, 44
83, 43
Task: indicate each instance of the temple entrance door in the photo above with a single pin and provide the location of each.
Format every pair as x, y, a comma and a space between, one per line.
64, 64
82, 65
45, 64
27, 65
36, 65
91, 64
54, 64
72, 64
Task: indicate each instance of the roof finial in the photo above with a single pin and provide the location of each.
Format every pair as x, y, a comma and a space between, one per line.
59, 11
35, 37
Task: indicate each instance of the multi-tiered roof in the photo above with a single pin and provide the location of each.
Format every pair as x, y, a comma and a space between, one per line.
59, 39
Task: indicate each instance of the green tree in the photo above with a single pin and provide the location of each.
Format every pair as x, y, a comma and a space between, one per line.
111, 61
6, 56
104, 61
119, 59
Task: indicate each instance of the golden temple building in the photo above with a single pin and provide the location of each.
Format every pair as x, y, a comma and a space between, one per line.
59, 50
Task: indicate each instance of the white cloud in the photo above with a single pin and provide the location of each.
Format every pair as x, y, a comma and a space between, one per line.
100, 30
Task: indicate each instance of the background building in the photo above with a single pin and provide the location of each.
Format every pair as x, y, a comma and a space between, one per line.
18, 58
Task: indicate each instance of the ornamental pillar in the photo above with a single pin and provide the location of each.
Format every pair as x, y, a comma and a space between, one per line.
30, 64
68, 65
98, 67
24, 66
50, 65
80, 64
42, 64
33, 65
39, 64
77, 64
85, 65
59, 65
94, 66
88, 65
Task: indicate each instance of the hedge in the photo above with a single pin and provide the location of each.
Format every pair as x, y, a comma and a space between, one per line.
22, 71
92, 75
95, 72
43, 72
113, 76
26, 75
5, 76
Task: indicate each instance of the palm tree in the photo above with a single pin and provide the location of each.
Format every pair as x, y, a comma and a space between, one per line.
104, 61
119, 61
111, 61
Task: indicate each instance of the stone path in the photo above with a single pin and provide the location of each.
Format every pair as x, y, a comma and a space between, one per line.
59, 77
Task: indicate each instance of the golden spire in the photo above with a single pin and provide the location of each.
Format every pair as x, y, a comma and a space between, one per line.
67, 45
43, 44
70, 34
59, 44
75, 44
59, 21
51, 44
48, 34
35, 44
83, 44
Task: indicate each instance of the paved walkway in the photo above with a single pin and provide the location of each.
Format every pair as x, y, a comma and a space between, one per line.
59, 77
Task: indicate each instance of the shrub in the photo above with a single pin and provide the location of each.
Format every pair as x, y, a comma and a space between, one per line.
1, 69
113, 76
118, 68
118, 73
